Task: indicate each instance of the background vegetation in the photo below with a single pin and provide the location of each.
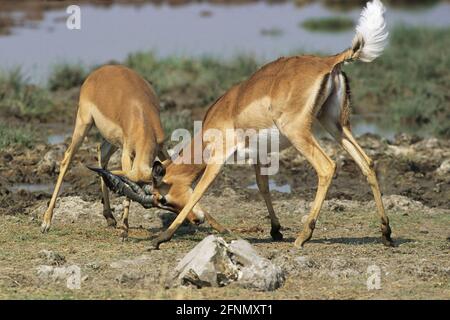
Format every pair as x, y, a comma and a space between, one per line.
332, 24
409, 85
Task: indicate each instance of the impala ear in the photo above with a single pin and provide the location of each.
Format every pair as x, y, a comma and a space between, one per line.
158, 172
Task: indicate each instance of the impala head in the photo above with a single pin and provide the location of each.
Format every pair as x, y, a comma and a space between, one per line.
171, 191
159, 193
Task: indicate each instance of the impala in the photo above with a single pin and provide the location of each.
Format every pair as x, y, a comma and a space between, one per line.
286, 95
125, 110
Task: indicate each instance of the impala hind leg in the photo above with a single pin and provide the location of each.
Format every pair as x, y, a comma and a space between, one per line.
349, 143
82, 125
105, 151
307, 145
262, 182
214, 224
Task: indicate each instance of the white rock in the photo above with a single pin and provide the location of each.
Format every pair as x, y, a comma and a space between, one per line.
70, 274
215, 263
208, 264
444, 168
257, 273
304, 219
50, 162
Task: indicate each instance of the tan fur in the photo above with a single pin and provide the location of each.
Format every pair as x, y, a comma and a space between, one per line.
289, 93
125, 109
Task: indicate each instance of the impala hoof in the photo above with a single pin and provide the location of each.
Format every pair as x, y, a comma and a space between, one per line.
386, 235
387, 241
299, 243
123, 231
45, 227
124, 235
164, 237
276, 235
154, 245
304, 237
111, 222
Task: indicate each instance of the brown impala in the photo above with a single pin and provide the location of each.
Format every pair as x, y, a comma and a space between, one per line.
125, 109
286, 95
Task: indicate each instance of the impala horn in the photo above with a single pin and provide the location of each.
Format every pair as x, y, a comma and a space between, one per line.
125, 187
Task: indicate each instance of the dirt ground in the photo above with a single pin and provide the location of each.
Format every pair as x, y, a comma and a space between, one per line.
414, 175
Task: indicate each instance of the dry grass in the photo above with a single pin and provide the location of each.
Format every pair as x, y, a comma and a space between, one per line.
344, 245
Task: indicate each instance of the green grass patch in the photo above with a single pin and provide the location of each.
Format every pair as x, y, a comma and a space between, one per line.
205, 78
66, 76
408, 84
20, 98
331, 24
15, 135
346, 5
176, 120
271, 32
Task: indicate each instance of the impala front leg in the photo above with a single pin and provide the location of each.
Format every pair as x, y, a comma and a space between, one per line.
211, 172
123, 224
82, 126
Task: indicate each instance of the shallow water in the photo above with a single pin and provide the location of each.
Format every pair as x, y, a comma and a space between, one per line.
284, 188
111, 33
34, 187
370, 123
57, 138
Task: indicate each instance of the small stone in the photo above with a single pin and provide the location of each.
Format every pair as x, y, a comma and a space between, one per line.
50, 162
148, 216
304, 219
444, 168
52, 258
304, 262
129, 278
401, 203
93, 265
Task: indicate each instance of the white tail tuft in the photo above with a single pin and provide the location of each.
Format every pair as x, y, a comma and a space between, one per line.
372, 29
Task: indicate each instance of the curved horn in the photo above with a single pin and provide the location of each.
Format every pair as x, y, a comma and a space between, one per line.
125, 187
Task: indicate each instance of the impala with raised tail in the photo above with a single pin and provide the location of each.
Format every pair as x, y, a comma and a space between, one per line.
286, 95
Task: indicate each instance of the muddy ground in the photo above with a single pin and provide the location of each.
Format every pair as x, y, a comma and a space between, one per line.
414, 174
